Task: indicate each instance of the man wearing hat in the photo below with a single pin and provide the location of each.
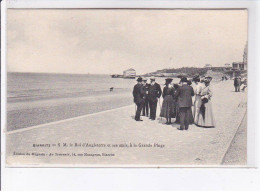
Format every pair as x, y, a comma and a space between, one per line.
184, 94
154, 93
237, 83
146, 102
138, 94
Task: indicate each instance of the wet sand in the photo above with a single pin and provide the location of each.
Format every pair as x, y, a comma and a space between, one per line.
30, 113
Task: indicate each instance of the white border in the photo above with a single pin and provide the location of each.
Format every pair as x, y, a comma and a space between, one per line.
110, 178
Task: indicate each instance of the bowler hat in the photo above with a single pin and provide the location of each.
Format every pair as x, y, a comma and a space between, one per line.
139, 79
168, 81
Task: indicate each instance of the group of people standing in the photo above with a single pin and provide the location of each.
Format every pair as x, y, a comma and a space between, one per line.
188, 102
146, 97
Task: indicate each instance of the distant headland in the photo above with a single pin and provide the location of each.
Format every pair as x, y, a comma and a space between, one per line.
227, 69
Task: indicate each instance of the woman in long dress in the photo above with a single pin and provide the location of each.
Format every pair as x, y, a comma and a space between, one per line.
197, 98
206, 117
168, 106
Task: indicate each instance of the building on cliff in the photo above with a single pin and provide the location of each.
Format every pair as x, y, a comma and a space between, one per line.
129, 73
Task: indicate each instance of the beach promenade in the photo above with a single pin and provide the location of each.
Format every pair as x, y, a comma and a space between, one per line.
115, 139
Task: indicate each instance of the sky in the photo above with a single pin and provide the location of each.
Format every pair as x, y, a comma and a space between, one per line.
110, 41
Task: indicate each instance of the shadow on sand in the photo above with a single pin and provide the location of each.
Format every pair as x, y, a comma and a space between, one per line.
163, 121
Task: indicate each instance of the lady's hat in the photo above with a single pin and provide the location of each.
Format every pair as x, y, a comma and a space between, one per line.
207, 79
202, 78
196, 79
139, 79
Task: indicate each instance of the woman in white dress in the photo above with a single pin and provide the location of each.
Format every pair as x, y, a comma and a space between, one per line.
197, 98
206, 117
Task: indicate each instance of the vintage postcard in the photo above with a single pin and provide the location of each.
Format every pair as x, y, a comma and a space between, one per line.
126, 87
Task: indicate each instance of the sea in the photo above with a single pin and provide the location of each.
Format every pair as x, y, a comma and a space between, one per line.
37, 86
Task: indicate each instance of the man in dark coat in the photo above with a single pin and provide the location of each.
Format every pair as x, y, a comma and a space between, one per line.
154, 93
176, 86
146, 102
138, 94
237, 83
184, 94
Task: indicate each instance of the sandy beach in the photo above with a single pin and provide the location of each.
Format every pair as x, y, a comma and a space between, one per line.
237, 152
157, 144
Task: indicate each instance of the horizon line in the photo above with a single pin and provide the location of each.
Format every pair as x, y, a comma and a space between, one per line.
57, 73
102, 73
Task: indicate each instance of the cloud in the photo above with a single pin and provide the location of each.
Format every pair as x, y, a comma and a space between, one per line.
109, 41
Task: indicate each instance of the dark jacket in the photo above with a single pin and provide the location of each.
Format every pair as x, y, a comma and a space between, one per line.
184, 94
168, 91
146, 90
237, 81
154, 92
138, 93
